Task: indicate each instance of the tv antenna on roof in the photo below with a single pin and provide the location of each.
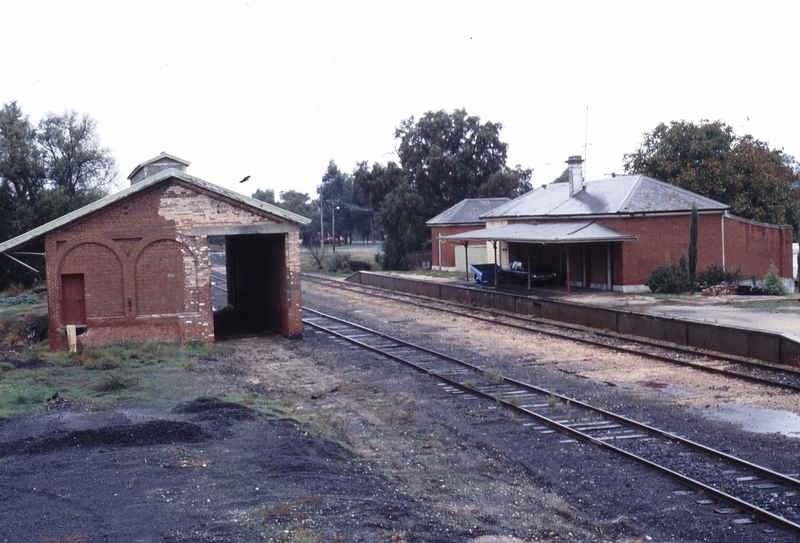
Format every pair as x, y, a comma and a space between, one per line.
586, 144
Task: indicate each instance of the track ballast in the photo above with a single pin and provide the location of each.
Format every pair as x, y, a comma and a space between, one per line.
749, 370
731, 485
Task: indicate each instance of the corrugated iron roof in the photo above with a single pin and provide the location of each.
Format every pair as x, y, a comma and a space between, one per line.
467, 211
138, 187
623, 194
546, 232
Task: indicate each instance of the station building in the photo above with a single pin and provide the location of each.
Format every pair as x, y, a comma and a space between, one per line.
462, 217
610, 233
136, 265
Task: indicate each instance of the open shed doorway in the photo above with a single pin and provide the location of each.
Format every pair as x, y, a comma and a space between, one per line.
247, 295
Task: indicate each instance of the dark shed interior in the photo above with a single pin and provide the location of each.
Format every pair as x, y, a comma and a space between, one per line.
256, 275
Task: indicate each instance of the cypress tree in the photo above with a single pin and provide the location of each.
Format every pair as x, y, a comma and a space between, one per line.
693, 248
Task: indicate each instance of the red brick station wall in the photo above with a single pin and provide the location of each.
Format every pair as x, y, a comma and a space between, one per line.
449, 246
662, 237
754, 246
748, 245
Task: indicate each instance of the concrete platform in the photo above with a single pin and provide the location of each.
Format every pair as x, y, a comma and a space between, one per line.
770, 313
755, 330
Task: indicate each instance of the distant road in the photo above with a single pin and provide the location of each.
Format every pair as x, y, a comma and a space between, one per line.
352, 248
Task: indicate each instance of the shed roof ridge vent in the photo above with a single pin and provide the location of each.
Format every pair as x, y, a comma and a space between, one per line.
156, 165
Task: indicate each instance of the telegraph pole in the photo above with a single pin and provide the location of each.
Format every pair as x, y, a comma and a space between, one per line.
321, 225
333, 224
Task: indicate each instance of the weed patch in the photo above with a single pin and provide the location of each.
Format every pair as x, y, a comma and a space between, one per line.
128, 372
116, 383
493, 376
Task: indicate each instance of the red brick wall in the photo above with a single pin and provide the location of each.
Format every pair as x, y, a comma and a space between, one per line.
662, 236
752, 246
749, 245
159, 268
124, 220
134, 290
147, 278
449, 248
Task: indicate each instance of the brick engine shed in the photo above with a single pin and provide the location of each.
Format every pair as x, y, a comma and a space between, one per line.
136, 265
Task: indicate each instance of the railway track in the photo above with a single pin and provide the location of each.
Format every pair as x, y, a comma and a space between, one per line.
734, 486
781, 377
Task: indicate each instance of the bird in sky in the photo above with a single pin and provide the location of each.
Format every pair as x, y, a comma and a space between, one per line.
245, 179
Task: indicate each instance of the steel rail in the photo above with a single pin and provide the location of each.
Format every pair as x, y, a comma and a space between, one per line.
577, 328
793, 372
789, 481
722, 496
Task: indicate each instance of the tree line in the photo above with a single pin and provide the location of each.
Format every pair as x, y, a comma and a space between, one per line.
446, 157
46, 171
337, 207
756, 181
443, 157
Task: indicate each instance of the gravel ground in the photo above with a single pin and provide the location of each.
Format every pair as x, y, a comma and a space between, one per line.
369, 451
666, 396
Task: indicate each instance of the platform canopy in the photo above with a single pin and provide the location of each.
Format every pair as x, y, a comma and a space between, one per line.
546, 232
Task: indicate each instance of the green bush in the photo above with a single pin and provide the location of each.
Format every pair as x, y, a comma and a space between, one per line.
717, 275
360, 265
25, 298
772, 284
338, 263
97, 359
670, 278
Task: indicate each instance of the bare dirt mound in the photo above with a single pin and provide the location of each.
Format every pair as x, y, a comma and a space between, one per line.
132, 435
211, 408
227, 474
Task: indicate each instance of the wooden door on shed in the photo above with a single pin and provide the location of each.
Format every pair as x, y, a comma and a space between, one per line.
73, 302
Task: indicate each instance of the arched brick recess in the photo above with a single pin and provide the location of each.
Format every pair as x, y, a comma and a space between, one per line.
159, 278
103, 276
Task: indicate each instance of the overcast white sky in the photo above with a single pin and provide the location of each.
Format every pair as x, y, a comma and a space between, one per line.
275, 89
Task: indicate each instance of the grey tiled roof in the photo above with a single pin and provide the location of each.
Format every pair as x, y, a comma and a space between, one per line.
611, 196
467, 211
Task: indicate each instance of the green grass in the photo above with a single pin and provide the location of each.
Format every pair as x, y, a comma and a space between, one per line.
434, 273
11, 312
789, 305
17, 302
365, 256
321, 424
356, 252
307, 263
136, 374
259, 403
